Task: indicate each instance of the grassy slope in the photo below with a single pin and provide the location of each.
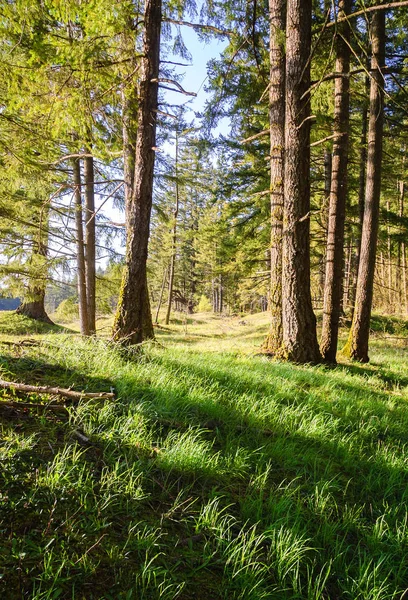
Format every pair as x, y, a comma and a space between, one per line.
217, 474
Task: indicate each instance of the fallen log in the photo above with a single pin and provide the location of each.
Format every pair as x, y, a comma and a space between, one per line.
53, 391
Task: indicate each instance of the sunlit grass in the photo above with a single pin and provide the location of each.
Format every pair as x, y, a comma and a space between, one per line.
216, 473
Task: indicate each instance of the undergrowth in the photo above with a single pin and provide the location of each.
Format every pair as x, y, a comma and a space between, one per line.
212, 475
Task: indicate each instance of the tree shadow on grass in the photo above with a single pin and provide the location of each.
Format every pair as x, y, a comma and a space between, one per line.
202, 405
36, 371
387, 376
360, 475
13, 324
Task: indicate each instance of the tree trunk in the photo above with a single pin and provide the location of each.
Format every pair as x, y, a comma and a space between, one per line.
33, 302
174, 240
357, 345
133, 321
90, 271
389, 256
361, 189
338, 193
81, 270
129, 102
277, 141
156, 320
403, 254
325, 214
299, 322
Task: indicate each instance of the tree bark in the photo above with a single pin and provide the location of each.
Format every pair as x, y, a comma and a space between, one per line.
81, 269
357, 345
156, 320
361, 188
90, 238
299, 322
389, 256
173, 240
277, 142
133, 321
404, 289
338, 193
33, 302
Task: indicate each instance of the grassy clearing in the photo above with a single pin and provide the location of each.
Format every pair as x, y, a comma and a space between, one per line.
216, 474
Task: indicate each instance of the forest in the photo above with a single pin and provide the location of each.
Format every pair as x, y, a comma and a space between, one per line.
203, 300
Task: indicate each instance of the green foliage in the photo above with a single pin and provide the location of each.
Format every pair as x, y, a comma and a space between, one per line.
204, 304
67, 311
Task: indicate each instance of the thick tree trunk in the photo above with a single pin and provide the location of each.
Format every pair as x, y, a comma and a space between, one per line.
33, 302
338, 193
90, 239
173, 240
34, 308
357, 345
299, 322
277, 140
81, 269
133, 322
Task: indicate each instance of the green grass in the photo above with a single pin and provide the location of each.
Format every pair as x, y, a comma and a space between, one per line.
215, 474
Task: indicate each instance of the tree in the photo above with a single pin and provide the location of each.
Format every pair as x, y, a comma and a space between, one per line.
173, 234
277, 138
299, 322
338, 190
80, 250
133, 321
357, 345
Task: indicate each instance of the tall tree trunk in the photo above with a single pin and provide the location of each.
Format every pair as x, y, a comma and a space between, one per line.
33, 302
361, 187
389, 256
173, 240
338, 192
299, 322
90, 241
277, 140
403, 254
133, 321
129, 116
357, 345
81, 270
324, 217
165, 270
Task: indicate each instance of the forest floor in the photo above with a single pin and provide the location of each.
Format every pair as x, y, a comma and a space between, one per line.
216, 473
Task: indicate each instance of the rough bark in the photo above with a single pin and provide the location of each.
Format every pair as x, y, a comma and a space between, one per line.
277, 142
299, 322
338, 193
357, 345
81, 269
90, 238
33, 302
133, 321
